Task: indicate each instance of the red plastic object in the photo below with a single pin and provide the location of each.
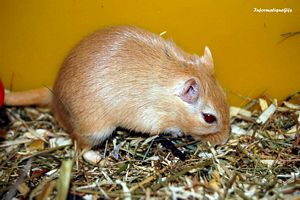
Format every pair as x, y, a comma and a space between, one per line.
1, 93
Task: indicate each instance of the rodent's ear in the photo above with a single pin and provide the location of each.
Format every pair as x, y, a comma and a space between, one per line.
190, 91
207, 59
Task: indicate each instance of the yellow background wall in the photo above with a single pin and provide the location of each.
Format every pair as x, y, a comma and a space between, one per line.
36, 35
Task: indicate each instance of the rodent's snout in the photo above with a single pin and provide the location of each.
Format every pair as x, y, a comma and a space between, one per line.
209, 118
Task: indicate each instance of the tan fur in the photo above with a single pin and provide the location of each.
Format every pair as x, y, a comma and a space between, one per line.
125, 76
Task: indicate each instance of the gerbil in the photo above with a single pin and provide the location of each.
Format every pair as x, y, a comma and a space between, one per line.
127, 77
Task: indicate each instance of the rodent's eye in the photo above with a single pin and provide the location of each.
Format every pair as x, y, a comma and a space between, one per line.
209, 118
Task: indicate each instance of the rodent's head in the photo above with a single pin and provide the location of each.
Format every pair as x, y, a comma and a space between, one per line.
203, 110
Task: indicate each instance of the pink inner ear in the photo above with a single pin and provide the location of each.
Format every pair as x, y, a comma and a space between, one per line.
190, 91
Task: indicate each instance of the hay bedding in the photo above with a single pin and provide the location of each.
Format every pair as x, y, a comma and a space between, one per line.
260, 161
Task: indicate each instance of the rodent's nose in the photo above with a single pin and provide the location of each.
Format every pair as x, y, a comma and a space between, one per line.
209, 118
